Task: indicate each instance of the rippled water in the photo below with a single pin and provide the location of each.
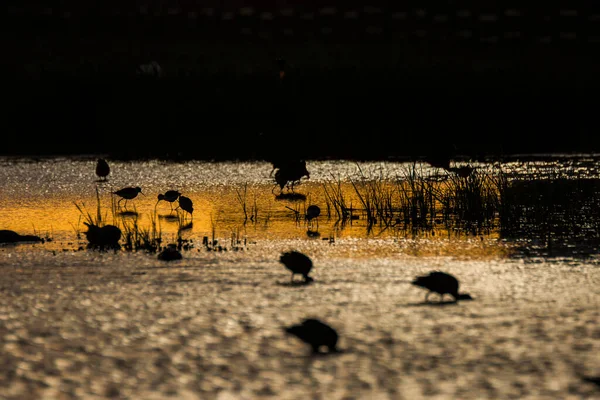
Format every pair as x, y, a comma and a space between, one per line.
77, 323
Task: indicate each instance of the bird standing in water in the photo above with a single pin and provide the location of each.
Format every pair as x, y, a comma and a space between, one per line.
298, 263
103, 237
102, 169
186, 204
312, 213
440, 283
170, 253
170, 195
315, 333
290, 174
127, 193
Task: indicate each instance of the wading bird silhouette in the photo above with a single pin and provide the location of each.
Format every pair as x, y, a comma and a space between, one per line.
128, 193
102, 169
103, 237
186, 204
290, 173
315, 333
170, 196
312, 213
441, 283
298, 263
170, 253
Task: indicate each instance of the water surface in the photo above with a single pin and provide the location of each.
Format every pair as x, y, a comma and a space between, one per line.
77, 323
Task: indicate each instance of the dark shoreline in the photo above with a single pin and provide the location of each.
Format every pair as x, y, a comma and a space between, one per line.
310, 117
361, 81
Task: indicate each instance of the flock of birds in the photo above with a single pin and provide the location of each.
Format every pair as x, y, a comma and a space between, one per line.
314, 332
184, 202
320, 336
108, 236
131, 192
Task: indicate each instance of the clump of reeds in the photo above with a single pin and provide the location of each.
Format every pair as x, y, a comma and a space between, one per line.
96, 220
135, 237
238, 241
139, 238
376, 196
335, 198
417, 200
252, 213
473, 201
296, 213
100, 236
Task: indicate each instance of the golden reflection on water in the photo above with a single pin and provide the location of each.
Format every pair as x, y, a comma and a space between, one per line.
253, 213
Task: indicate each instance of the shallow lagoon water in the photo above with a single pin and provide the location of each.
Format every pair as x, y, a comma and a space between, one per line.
84, 324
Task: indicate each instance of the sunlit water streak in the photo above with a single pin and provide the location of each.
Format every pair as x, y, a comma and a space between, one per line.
87, 324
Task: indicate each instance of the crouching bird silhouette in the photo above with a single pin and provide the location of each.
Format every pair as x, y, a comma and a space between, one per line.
317, 334
103, 237
8, 236
169, 196
298, 263
102, 169
441, 283
170, 253
289, 174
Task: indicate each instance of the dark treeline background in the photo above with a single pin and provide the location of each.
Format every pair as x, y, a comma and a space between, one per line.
368, 80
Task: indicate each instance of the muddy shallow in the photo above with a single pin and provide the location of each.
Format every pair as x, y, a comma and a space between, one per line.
83, 324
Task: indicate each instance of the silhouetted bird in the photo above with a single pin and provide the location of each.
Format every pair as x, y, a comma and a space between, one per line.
103, 237
442, 158
128, 193
316, 333
277, 162
592, 379
290, 174
102, 169
441, 155
170, 195
438, 161
284, 161
463, 171
8, 236
185, 203
312, 212
298, 263
441, 283
170, 253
